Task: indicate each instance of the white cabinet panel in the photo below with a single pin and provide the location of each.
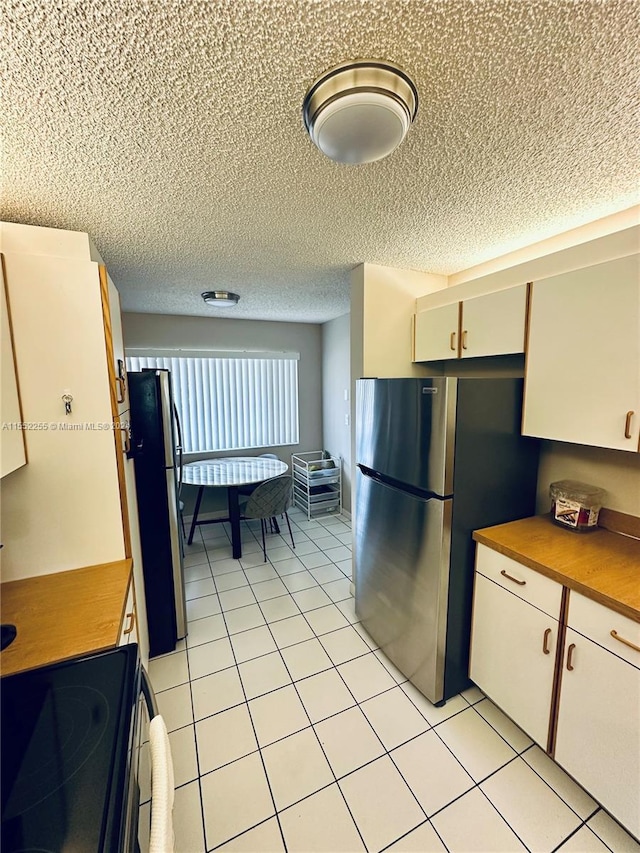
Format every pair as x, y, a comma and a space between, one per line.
491, 324
19, 239
597, 622
494, 324
117, 344
583, 361
62, 510
12, 438
531, 586
513, 649
436, 333
598, 735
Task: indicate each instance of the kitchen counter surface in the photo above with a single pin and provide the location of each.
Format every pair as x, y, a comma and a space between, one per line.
62, 615
602, 565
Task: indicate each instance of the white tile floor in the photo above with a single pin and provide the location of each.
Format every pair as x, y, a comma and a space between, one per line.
291, 731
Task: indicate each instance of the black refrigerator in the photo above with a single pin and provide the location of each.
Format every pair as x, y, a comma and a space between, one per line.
157, 451
436, 458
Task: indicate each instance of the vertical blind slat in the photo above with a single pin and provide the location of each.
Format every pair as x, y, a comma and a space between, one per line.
232, 403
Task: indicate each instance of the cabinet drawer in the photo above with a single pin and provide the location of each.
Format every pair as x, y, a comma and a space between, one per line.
530, 586
596, 622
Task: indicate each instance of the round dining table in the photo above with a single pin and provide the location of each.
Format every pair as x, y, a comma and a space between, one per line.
230, 473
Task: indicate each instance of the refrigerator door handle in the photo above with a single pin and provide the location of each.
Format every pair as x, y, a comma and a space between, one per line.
167, 417
176, 556
402, 488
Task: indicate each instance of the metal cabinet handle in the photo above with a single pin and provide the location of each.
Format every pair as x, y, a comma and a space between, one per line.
570, 666
464, 339
132, 621
122, 389
511, 578
627, 424
121, 379
545, 642
620, 639
127, 439
452, 341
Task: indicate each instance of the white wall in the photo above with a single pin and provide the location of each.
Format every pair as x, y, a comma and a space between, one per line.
383, 303
336, 397
616, 471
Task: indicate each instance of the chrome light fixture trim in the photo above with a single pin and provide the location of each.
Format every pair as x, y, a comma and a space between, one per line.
221, 298
360, 111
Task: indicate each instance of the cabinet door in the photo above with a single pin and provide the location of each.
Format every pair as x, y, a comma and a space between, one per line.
436, 333
494, 324
13, 453
582, 380
513, 647
114, 343
598, 734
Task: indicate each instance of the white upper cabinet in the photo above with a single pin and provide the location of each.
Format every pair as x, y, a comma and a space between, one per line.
582, 381
113, 328
494, 324
437, 333
12, 447
491, 324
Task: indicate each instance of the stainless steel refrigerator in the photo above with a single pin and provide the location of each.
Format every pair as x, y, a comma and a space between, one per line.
436, 459
157, 451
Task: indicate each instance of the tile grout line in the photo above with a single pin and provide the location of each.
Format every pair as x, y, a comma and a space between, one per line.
311, 725
579, 827
358, 704
264, 768
197, 751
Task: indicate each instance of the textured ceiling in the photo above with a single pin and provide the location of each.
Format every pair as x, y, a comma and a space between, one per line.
172, 133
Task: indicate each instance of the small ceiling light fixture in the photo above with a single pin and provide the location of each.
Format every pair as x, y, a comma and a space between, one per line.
360, 111
220, 298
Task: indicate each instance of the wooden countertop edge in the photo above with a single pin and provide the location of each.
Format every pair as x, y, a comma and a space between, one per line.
63, 615
561, 577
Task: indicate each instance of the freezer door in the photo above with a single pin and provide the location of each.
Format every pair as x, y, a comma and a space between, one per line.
405, 430
402, 551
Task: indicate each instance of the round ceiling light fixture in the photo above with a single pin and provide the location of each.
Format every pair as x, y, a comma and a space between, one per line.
220, 298
360, 111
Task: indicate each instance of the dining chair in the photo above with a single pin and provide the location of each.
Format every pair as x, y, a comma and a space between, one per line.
249, 488
269, 499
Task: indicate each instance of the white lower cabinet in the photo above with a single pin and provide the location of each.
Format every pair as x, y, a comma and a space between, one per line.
513, 641
595, 736
508, 661
598, 732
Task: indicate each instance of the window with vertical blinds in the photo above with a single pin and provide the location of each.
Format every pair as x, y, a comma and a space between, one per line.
232, 403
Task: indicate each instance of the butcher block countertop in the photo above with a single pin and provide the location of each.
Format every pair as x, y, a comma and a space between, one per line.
62, 615
600, 564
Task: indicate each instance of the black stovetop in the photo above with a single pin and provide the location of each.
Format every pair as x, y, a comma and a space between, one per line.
66, 733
